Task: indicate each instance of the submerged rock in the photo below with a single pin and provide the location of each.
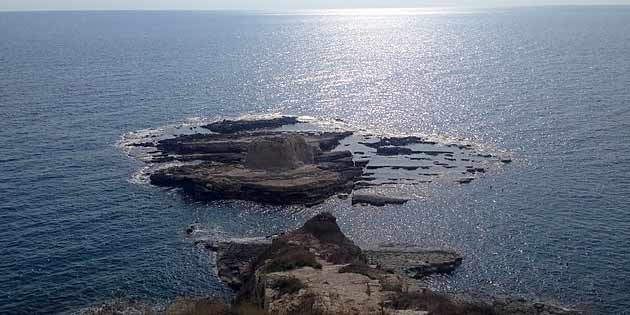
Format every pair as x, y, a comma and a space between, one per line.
466, 180
398, 141
376, 200
474, 170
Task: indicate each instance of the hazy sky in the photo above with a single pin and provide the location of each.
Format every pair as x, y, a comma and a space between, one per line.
270, 4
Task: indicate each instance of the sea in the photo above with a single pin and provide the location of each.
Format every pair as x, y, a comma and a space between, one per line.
549, 85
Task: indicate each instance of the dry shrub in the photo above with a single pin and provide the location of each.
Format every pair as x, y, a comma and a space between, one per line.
211, 306
246, 309
288, 285
117, 307
204, 306
290, 258
437, 304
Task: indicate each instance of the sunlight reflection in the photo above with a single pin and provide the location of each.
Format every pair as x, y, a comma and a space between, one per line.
377, 11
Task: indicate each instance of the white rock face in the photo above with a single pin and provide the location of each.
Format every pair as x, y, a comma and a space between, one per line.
279, 153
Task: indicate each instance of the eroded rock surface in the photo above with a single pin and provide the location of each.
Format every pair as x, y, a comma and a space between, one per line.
234, 258
282, 152
317, 270
268, 167
415, 262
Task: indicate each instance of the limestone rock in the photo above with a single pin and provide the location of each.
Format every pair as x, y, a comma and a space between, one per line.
268, 167
325, 291
415, 262
279, 152
340, 283
309, 184
234, 258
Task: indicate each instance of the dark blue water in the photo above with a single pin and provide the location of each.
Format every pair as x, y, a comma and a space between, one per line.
550, 85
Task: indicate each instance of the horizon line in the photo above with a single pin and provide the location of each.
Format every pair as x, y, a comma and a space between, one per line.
513, 6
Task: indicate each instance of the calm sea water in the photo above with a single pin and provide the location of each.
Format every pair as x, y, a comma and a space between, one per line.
550, 85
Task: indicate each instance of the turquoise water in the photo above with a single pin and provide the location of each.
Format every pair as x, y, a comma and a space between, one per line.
549, 85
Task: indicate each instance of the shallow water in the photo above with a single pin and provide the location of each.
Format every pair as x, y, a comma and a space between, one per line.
548, 85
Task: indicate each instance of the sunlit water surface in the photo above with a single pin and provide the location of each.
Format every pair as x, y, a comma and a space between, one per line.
549, 85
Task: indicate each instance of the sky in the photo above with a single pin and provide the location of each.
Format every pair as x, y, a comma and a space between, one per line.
19, 5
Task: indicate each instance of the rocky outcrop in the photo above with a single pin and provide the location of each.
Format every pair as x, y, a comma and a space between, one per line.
415, 262
234, 258
234, 126
213, 181
280, 153
268, 167
316, 269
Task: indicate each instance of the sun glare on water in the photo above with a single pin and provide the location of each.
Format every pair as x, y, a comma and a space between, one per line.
377, 11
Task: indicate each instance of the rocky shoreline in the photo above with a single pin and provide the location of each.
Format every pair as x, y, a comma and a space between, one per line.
316, 269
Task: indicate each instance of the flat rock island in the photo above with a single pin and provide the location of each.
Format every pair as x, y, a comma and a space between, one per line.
282, 160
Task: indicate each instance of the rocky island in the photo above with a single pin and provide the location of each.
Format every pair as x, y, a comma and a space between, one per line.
258, 160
